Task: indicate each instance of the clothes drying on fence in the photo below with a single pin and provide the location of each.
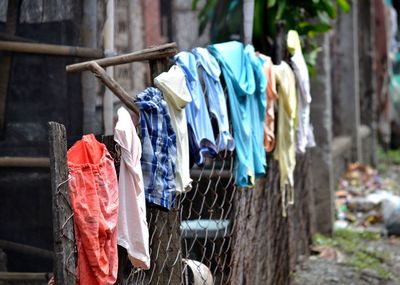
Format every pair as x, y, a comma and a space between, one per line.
304, 133
94, 199
133, 232
241, 85
176, 94
285, 151
216, 97
258, 105
201, 135
158, 148
269, 122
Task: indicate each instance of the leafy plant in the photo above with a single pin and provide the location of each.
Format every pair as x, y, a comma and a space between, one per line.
308, 17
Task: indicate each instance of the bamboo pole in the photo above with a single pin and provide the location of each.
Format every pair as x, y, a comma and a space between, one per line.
88, 82
108, 36
8, 161
24, 276
48, 49
153, 53
113, 86
26, 249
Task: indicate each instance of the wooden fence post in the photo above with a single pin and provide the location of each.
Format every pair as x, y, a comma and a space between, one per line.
164, 227
63, 225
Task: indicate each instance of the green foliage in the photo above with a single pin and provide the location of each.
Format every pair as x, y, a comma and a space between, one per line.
308, 17
391, 156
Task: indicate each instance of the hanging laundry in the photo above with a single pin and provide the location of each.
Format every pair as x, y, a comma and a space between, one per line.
258, 106
158, 148
94, 199
269, 122
133, 232
240, 80
216, 97
201, 135
176, 94
304, 133
285, 151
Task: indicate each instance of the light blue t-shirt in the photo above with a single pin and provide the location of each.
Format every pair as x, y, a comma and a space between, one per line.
244, 81
201, 135
216, 97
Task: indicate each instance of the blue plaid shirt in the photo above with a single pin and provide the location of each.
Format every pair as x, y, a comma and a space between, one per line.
158, 148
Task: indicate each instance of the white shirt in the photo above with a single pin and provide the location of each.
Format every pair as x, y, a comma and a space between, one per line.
133, 232
305, 133
173, 86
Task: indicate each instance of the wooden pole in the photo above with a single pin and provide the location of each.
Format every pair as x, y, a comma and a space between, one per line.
113, 86
26, 249
153, 53
88, 82
8, 161
24, 276
48, 49
5, 60
63, 225
108, 39
165, 241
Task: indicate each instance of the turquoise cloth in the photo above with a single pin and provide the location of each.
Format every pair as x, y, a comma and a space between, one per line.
246, 85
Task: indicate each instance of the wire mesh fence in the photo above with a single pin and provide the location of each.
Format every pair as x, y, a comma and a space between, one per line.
218, 234
192, 242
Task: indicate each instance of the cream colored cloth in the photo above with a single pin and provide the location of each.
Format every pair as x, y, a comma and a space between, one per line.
173, 86
304, 133
285, 151
133, 232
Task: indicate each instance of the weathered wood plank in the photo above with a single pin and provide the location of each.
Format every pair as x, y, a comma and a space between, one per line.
63, 225
9, 161
153, 53
23, 276
49, 49
6, 61
26, 249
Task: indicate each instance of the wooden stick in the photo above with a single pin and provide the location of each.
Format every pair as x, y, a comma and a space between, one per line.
63, 222
8, 161
113, 86
48, 49
24, 276
153, 53
26, 249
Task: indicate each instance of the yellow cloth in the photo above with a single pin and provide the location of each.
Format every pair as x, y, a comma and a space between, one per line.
293, 42
285, 151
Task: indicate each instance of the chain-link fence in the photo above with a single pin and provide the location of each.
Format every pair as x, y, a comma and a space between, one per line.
191, 243
217, 234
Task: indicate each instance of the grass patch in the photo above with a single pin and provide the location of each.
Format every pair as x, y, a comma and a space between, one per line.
391, 156
353, 244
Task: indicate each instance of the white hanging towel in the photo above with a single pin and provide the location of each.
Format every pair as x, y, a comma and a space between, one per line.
133, 232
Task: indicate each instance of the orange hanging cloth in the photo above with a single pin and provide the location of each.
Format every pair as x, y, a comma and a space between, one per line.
94, 199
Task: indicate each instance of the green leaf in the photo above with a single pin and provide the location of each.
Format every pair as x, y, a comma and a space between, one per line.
329, 8
323, 17
194, 4
309, 29
271, 3
343, 5
281, 8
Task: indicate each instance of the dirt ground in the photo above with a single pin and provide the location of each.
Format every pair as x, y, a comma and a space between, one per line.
322, 271
356, 255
